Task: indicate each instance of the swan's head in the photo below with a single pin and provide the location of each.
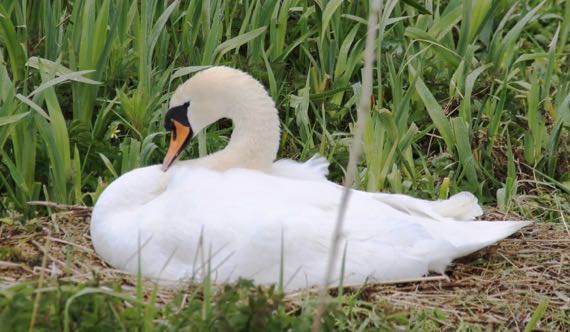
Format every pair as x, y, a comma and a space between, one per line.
205, 98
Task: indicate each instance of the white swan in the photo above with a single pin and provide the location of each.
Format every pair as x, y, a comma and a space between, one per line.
237, 213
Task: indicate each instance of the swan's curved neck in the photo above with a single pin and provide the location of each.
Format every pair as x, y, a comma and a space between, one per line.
254, 141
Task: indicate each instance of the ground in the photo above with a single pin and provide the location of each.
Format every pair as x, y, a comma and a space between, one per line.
522, 279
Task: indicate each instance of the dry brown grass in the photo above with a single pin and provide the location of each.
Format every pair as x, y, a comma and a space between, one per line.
499, 286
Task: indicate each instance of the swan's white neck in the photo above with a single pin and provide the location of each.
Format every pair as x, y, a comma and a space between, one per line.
255, 139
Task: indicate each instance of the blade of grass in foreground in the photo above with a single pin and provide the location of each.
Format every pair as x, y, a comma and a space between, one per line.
355, 151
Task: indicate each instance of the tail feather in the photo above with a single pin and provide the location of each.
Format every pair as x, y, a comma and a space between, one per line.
468, 237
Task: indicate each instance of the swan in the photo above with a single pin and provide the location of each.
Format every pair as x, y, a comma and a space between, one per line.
239, 213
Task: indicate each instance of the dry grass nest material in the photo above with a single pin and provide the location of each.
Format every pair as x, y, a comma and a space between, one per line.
502, 284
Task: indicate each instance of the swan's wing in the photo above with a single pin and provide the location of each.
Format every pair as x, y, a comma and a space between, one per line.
315, 168
253, 211
462, 206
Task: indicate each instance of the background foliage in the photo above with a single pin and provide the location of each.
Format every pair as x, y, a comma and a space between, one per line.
469, 95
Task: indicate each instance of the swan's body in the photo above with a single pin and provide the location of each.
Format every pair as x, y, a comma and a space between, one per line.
237, 213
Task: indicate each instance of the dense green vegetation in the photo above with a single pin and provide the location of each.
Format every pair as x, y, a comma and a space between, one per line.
469, 95
473, 96
241, 307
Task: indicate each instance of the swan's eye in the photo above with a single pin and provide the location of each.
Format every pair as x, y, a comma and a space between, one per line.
177, 113
168, 124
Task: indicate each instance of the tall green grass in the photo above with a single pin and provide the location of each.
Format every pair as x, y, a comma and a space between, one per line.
474, 95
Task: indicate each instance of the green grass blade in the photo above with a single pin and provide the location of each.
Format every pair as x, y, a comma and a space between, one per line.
550, 66
330, 8
464, 152
445, 23
6, 120
187, 71
507, 47
109, 165
33, 105
61, 79
421, 9
10, 40
469, 84
236, 42
445, 53
159, 25
436, 113
465, 27
537, 315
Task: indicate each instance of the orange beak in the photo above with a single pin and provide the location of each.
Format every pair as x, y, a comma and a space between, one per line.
179, 137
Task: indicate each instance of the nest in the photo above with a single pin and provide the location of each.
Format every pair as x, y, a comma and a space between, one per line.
501, 285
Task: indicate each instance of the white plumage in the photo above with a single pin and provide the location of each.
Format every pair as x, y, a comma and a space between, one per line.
232, 212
